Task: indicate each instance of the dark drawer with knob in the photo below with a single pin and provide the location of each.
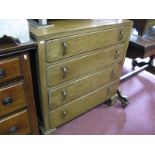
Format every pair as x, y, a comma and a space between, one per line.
17, 124
9, 69
12, 98
17, 104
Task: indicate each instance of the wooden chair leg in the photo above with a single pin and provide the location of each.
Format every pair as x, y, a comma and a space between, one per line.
112, 100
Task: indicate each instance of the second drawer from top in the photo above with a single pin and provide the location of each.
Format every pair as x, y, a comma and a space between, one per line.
73, 68
12, 98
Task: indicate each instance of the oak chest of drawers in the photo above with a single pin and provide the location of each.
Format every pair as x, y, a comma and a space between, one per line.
79, 66
17, 106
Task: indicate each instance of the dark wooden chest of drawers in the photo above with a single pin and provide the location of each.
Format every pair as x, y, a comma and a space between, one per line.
79, 66
17, 106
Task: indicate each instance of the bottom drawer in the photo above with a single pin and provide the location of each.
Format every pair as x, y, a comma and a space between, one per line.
81, 105
17, 124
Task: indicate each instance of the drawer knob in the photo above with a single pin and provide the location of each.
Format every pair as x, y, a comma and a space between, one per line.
63, 113
2, 73
64, 72
13, 129
64, 94
121, 35
7, 101
109, 91
117, 54
113, 74
64, 44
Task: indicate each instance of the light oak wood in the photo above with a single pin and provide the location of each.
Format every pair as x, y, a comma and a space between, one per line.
65, 47
17, 124
81, 105
63, 28
43, 95
83, 65
15, 93
64, 94
72, 56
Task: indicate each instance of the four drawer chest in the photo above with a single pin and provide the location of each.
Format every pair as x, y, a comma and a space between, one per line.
79, 65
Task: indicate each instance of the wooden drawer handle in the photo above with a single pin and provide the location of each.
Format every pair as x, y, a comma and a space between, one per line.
113, 74
121, 35
117, 54
64, 94
63, 113
13, 129
2, 73
109, 91
64, 72
64, 44
7, 101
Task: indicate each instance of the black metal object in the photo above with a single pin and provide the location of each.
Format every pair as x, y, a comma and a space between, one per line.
143, 65
133, 73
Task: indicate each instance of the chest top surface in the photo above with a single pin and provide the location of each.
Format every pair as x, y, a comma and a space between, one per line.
70, 27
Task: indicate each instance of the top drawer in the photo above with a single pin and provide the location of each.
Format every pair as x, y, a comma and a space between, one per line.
9, 69
69, 46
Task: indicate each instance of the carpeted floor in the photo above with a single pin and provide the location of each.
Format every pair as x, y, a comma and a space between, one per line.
137, 118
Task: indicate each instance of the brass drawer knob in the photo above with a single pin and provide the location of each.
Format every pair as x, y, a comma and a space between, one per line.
121, 35
64, 72
113, 74
64, 94
7, 101
64, 51
109, 91
117, 54
2, 73
64, 113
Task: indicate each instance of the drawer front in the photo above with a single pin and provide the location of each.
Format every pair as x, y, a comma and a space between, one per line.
61, 48
71, 91
73, 68
9, 69
17, 124
12, 98
81, 105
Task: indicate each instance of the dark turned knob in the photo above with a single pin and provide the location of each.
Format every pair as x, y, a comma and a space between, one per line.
2, 73
7, 101
13, 129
